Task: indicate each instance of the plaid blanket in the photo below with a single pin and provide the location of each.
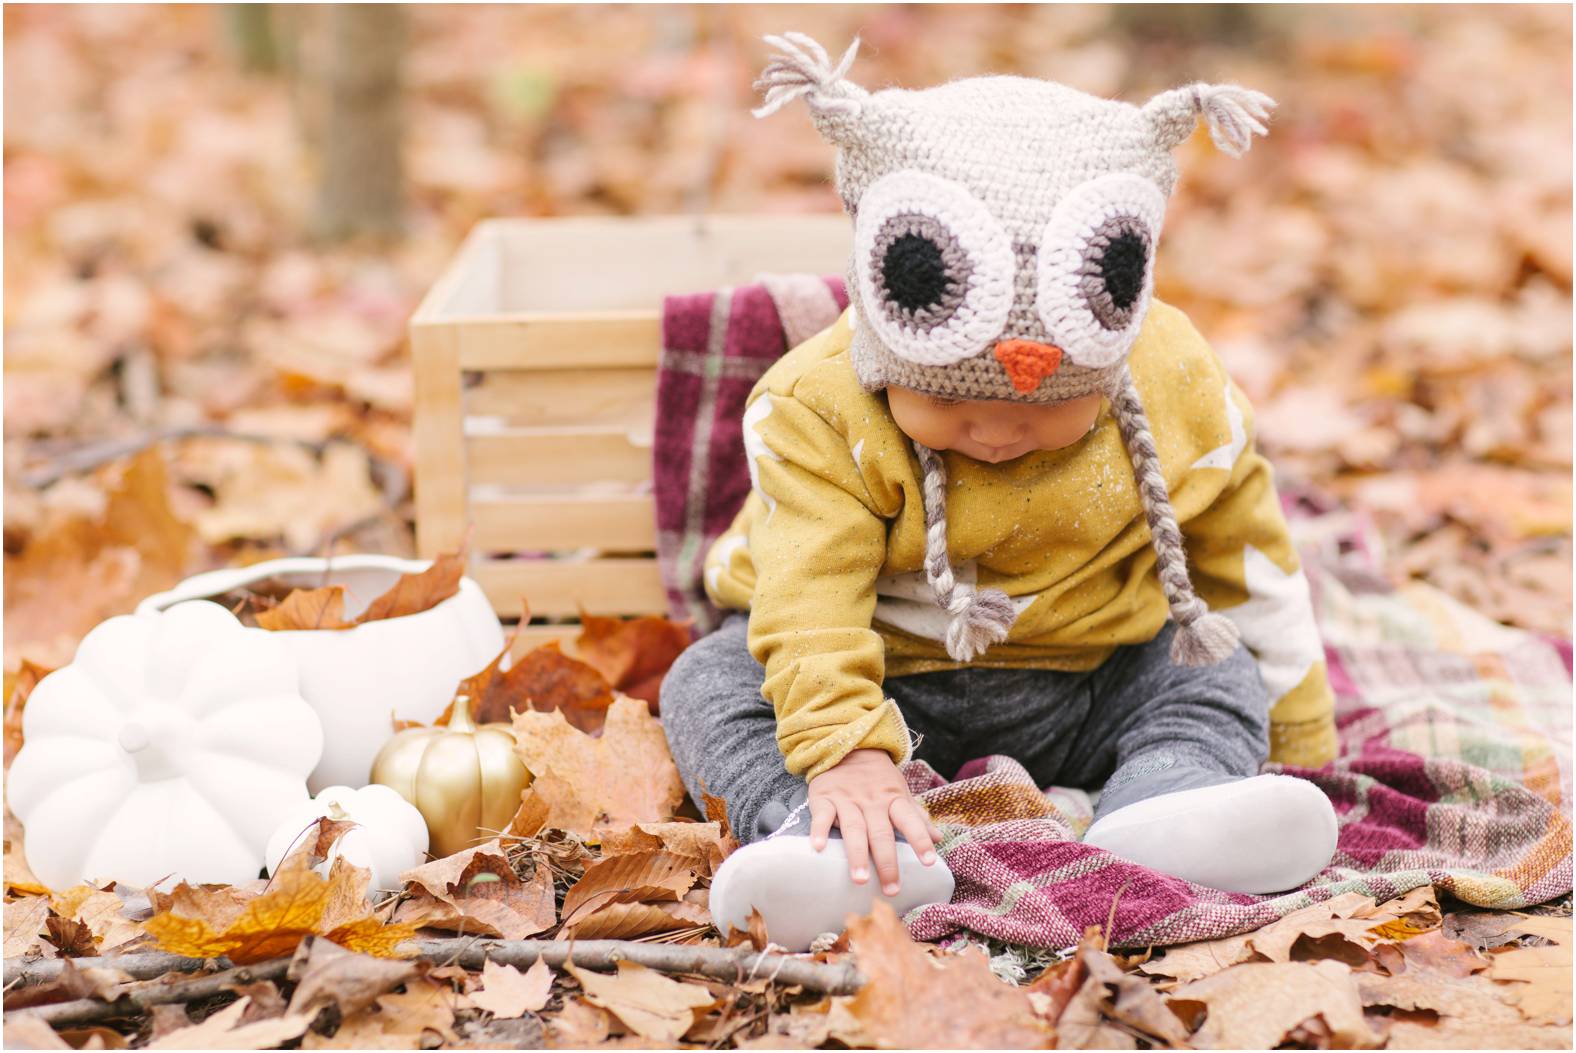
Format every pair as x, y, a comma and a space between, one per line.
1454, 771
1455, 731
715, 346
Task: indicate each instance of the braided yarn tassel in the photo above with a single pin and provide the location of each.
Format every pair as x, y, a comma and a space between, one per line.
1234, 114
980, 617
1203, 637
802, 67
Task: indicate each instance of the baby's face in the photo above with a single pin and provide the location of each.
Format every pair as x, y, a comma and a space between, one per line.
992, 430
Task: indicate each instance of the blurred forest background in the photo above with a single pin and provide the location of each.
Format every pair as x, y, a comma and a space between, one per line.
218, 220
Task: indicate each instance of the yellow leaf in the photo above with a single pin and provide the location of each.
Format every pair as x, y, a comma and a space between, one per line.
298, 903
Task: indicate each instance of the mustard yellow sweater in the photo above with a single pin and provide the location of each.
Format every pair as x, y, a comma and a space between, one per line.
827, 552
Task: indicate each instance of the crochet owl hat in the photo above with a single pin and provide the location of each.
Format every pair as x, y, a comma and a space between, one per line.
1004, 245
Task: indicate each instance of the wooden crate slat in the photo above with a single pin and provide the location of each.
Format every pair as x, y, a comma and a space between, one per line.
540, 397
559, 456
566, 341
562, 588
619, 522
438, 432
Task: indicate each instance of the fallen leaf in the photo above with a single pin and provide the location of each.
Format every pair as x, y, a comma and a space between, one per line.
414, 593
25, 921
299, 903
1129, 999
1350, 917
103, 914
911, 1000
633, 654
1257, 1004
26, 1031
624, 777
631, 878
701, 842
72, 983
224, 1030
1541, 976
580, 1025
649, 1004
307, 609
545, 679
18, 686
507, 992
477, 891
329, 975
1434, 952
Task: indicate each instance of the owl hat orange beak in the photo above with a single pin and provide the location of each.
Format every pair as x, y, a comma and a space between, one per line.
1027, 363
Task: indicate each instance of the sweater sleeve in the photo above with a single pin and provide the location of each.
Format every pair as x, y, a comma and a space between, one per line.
1244, 564
817, 550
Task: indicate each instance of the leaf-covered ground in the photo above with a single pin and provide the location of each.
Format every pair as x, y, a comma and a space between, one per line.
1388, 276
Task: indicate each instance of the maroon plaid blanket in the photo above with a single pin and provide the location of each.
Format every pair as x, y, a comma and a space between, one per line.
715, 346
1455, 731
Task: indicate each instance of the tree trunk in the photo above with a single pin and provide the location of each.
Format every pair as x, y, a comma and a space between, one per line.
361, 176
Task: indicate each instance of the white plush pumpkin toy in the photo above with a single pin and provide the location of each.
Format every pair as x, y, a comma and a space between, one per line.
389, 838
170, 747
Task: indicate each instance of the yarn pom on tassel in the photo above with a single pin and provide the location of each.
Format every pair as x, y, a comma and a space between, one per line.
1209, 639
978, 620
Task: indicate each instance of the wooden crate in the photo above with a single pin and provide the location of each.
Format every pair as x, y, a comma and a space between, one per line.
536, 371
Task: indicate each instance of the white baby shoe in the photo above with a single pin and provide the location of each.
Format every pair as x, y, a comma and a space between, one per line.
802, 893
1266, 834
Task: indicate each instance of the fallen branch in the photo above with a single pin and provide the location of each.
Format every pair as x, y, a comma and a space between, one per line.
143, 966
719, 963
730, 965
134, 1001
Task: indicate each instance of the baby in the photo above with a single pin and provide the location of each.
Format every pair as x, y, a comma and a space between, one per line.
975, 502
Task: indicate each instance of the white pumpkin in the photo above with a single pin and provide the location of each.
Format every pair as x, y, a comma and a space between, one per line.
171, 746
361, 680
390, 836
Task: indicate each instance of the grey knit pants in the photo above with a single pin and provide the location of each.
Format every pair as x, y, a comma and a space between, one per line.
1136, 727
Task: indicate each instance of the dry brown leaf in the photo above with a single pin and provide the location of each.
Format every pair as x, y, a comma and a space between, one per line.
477, 891
307, 609
649, 1004
1128, 998
18, 686
580, 1025
1541, 976
588, 784
298, 903
544, 679
414, 593
25, 1031
102, 912
702, 842
224, 1030
398, 1020
507, 992
25, 925
327, 974
911, 1000
631, 878
633, 654
1257, 1004
1349, 916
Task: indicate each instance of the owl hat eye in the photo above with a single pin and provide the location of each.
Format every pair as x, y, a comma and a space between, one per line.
934, 268
1097, 266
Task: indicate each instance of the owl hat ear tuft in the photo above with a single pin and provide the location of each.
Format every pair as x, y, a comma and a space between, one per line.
802, 67
1233, 113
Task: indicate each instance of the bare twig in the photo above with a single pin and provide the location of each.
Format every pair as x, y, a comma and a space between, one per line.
729, 965
133, 1001
719, 963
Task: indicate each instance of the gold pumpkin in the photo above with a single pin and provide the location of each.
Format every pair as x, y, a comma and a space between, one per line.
465, 780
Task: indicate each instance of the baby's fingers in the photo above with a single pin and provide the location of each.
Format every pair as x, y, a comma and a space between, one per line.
913, 825
884, 847
822, 814
852, 823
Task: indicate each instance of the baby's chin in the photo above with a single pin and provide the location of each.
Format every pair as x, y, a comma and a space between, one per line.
991, 455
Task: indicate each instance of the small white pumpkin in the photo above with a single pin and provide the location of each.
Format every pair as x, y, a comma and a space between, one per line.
390, 836
171, 746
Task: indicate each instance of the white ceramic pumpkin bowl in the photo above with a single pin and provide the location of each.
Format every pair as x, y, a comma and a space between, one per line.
360, 680
169, 748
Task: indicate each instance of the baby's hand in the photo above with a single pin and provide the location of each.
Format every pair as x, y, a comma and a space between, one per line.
867, 798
